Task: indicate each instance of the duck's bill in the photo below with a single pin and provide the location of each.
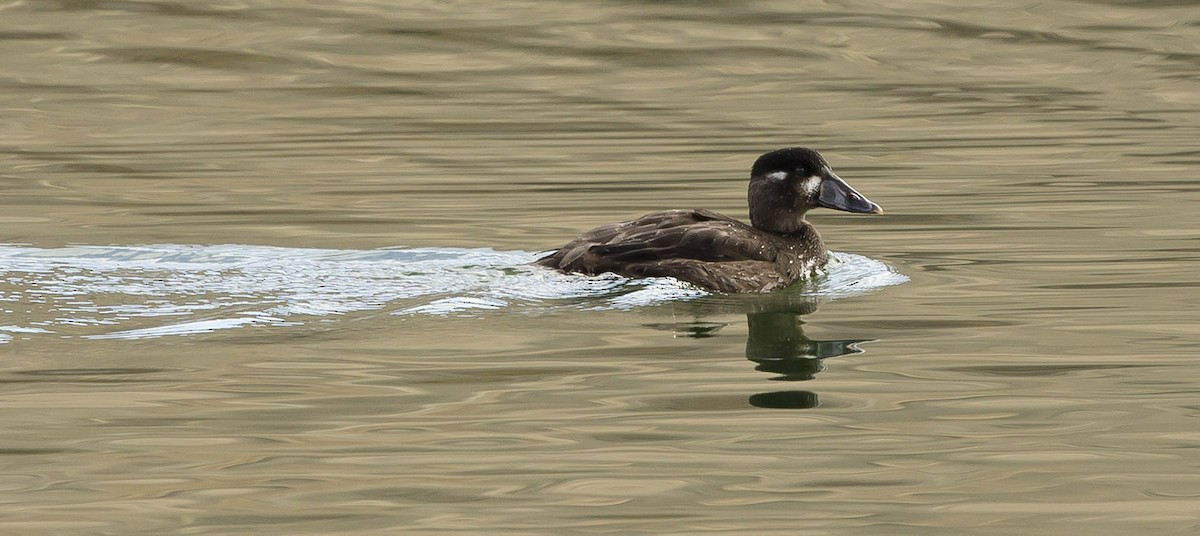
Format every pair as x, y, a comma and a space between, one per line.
838, 195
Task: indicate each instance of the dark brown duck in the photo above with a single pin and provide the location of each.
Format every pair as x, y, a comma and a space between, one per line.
720, 253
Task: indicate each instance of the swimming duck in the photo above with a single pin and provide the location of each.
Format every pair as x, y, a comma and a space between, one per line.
717, 252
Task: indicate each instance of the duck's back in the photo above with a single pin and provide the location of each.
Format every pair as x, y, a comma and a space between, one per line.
699, 246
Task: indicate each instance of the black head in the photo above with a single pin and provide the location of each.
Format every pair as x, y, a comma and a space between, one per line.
786, 183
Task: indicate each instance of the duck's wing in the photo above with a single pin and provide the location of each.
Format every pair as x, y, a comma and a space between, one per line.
701, 235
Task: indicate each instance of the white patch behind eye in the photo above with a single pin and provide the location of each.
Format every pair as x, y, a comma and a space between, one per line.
811, 185
777, 175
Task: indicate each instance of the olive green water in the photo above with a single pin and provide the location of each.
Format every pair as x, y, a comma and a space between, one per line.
243, 349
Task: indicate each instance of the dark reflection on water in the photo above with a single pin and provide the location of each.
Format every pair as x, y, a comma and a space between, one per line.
785, 400
778, 344
696, 330
775, 340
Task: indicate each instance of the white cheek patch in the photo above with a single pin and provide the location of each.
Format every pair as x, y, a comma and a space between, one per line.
811, 185
777, 175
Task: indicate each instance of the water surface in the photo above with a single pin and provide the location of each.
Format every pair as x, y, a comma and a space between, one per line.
263, 269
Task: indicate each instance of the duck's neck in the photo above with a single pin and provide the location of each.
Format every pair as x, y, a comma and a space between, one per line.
774, 207
778, 221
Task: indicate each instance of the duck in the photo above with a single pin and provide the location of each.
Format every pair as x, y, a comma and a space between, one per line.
719, 253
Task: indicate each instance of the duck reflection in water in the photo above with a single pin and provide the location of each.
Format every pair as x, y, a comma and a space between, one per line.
776, 342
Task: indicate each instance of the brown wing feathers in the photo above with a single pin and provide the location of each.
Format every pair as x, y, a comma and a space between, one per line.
678, 234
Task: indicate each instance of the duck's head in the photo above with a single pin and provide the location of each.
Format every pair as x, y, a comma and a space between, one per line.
786, 183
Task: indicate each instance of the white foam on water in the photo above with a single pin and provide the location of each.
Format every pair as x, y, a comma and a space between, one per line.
132, 292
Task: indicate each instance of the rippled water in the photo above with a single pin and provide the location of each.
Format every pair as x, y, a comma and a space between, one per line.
263, 269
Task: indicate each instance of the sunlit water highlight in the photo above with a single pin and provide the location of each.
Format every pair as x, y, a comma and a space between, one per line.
157, 290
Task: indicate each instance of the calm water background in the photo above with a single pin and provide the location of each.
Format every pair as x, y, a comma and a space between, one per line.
249, 348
